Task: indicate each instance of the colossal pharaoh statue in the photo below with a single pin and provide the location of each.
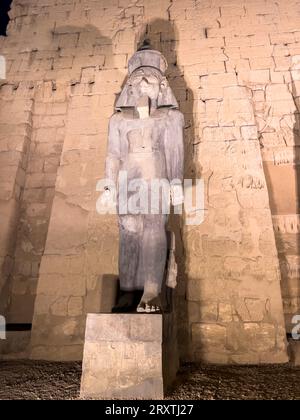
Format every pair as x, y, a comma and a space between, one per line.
145, 143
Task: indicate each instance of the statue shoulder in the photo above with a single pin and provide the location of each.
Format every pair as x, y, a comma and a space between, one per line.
176, 116
115, 120
117, 116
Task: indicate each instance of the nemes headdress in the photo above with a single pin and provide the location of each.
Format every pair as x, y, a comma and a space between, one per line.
147, 57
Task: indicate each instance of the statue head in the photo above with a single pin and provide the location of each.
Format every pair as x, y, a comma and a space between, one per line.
146, 70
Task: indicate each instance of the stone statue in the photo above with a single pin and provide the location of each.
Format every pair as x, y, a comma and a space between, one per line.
146, 141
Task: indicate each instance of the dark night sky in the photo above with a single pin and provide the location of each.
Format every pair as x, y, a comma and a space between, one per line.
4, 8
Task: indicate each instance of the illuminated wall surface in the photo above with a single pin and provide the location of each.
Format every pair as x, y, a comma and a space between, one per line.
235, 70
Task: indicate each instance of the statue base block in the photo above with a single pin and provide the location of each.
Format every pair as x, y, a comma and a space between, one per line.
129, 356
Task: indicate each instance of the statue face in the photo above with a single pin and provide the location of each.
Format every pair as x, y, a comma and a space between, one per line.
146, 81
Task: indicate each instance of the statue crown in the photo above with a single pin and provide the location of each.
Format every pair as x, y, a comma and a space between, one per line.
147, 57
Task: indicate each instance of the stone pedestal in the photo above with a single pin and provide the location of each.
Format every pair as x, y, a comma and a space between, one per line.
129, 356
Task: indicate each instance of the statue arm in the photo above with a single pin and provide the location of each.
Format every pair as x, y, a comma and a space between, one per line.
174, 146
112, 161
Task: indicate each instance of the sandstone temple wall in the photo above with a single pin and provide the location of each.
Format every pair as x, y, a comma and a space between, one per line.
234, 68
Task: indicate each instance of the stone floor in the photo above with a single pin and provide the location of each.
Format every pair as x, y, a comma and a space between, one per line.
43, 380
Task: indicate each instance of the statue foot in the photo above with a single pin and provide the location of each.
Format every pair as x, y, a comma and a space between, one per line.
152, 306
127, 302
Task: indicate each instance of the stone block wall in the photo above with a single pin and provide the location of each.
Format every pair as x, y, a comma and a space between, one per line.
16, 106
233, 68
46, 140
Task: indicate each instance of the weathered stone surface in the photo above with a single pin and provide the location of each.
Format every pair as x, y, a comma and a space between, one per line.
261, 337
225, 312
209, 336
124, 356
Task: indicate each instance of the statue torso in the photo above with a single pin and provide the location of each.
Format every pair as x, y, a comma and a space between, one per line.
142, 143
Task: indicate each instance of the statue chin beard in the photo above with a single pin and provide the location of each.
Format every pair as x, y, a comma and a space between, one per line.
145, 104
143, 107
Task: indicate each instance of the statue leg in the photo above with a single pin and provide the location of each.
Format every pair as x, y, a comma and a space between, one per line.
130, 228
153, 261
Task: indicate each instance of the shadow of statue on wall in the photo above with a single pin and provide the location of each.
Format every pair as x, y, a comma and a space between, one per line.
287, 236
